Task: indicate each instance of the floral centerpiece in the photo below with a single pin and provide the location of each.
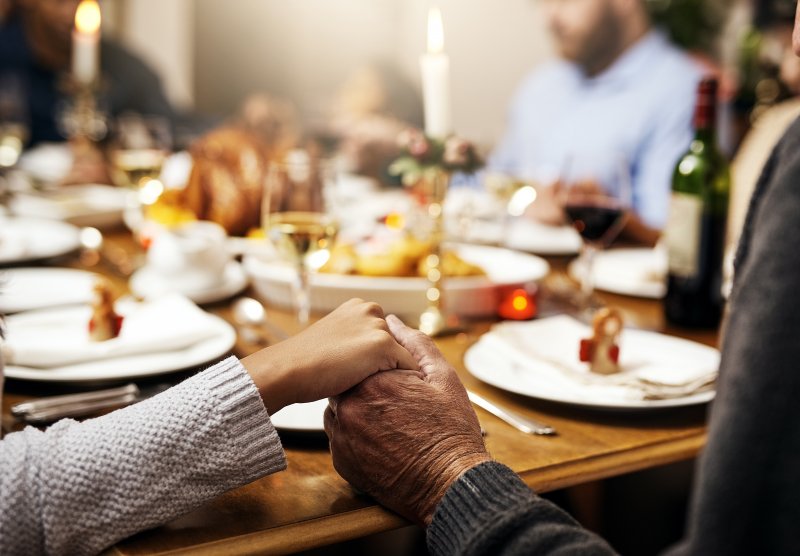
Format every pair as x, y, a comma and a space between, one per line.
423, 157
426, 165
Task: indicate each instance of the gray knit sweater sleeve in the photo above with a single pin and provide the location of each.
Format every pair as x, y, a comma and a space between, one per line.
77, 488
489, 510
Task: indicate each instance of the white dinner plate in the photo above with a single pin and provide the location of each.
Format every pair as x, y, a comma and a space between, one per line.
466, 296
638, 272
534, 237
136, 366
47, 162
100, 206
496, 367
30, 239
301, 417
149, 284
25, 289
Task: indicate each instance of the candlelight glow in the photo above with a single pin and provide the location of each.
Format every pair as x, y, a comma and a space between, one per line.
87, 18
435, 31
520, 302
518, 305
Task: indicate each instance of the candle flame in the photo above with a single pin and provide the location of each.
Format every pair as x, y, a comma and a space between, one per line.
435, 31
87, 17
520, 302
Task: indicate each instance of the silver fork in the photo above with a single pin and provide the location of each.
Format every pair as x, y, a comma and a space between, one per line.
519, 422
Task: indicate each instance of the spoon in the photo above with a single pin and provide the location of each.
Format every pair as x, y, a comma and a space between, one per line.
251, 315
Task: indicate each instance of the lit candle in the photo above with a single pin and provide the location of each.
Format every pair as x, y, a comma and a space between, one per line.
518, 305
86, 42
435, 67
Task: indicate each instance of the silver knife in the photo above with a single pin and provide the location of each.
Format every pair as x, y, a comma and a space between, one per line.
78, 405
519, 422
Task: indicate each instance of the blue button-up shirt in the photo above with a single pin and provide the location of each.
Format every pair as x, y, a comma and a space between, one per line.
640, 109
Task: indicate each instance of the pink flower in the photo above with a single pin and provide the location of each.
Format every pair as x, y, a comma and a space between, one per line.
414, 143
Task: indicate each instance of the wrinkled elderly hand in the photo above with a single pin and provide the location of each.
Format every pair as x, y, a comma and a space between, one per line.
330, 356
405, 436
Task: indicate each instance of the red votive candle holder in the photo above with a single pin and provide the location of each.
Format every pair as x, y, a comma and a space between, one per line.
517, 304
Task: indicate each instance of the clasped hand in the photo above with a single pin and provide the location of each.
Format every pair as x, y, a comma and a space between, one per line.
404, 436
327, 358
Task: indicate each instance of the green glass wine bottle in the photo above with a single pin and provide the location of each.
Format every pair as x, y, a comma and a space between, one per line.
695, 232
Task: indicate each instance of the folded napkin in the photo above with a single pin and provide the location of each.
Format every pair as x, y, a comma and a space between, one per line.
25, 289
56, 337
654, 366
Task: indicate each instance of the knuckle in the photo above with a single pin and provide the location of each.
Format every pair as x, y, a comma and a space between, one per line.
423, 341
373, 309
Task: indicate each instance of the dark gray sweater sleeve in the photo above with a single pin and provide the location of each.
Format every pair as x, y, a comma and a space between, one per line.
489, 510
77, 488
746, 496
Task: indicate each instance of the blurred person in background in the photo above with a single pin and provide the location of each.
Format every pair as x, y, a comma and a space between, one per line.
36, 44
373, 106
411, 438
619, 86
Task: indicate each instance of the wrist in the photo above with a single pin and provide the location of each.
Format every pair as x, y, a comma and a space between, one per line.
272, 376
445, 479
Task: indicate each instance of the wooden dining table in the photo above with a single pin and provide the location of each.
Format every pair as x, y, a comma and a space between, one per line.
308, 505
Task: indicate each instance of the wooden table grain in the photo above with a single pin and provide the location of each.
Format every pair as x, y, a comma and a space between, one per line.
309, 505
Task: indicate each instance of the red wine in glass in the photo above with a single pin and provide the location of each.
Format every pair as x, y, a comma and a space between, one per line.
596, 220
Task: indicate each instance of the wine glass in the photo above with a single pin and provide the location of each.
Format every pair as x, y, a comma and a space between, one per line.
138, 148
595, 191
13, 127
295, 218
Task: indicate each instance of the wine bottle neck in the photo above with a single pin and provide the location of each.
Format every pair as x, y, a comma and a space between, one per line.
705, 115
705, 135
705, 111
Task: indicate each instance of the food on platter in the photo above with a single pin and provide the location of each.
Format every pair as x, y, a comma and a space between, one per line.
403, 255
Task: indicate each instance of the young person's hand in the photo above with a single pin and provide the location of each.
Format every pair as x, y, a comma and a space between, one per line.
327, 358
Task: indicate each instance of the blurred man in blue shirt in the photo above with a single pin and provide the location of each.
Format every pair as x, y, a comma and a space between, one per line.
619, 88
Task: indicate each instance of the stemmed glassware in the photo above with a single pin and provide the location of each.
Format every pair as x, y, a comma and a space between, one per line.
138, 148
513, 193
595, 191
296, 220
13, 127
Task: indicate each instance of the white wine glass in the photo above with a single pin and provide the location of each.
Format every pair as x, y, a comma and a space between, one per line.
595, 192
296, 219
138, 148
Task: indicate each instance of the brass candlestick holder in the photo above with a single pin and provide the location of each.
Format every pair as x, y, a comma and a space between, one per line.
82, 120
433, 320
426, 164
